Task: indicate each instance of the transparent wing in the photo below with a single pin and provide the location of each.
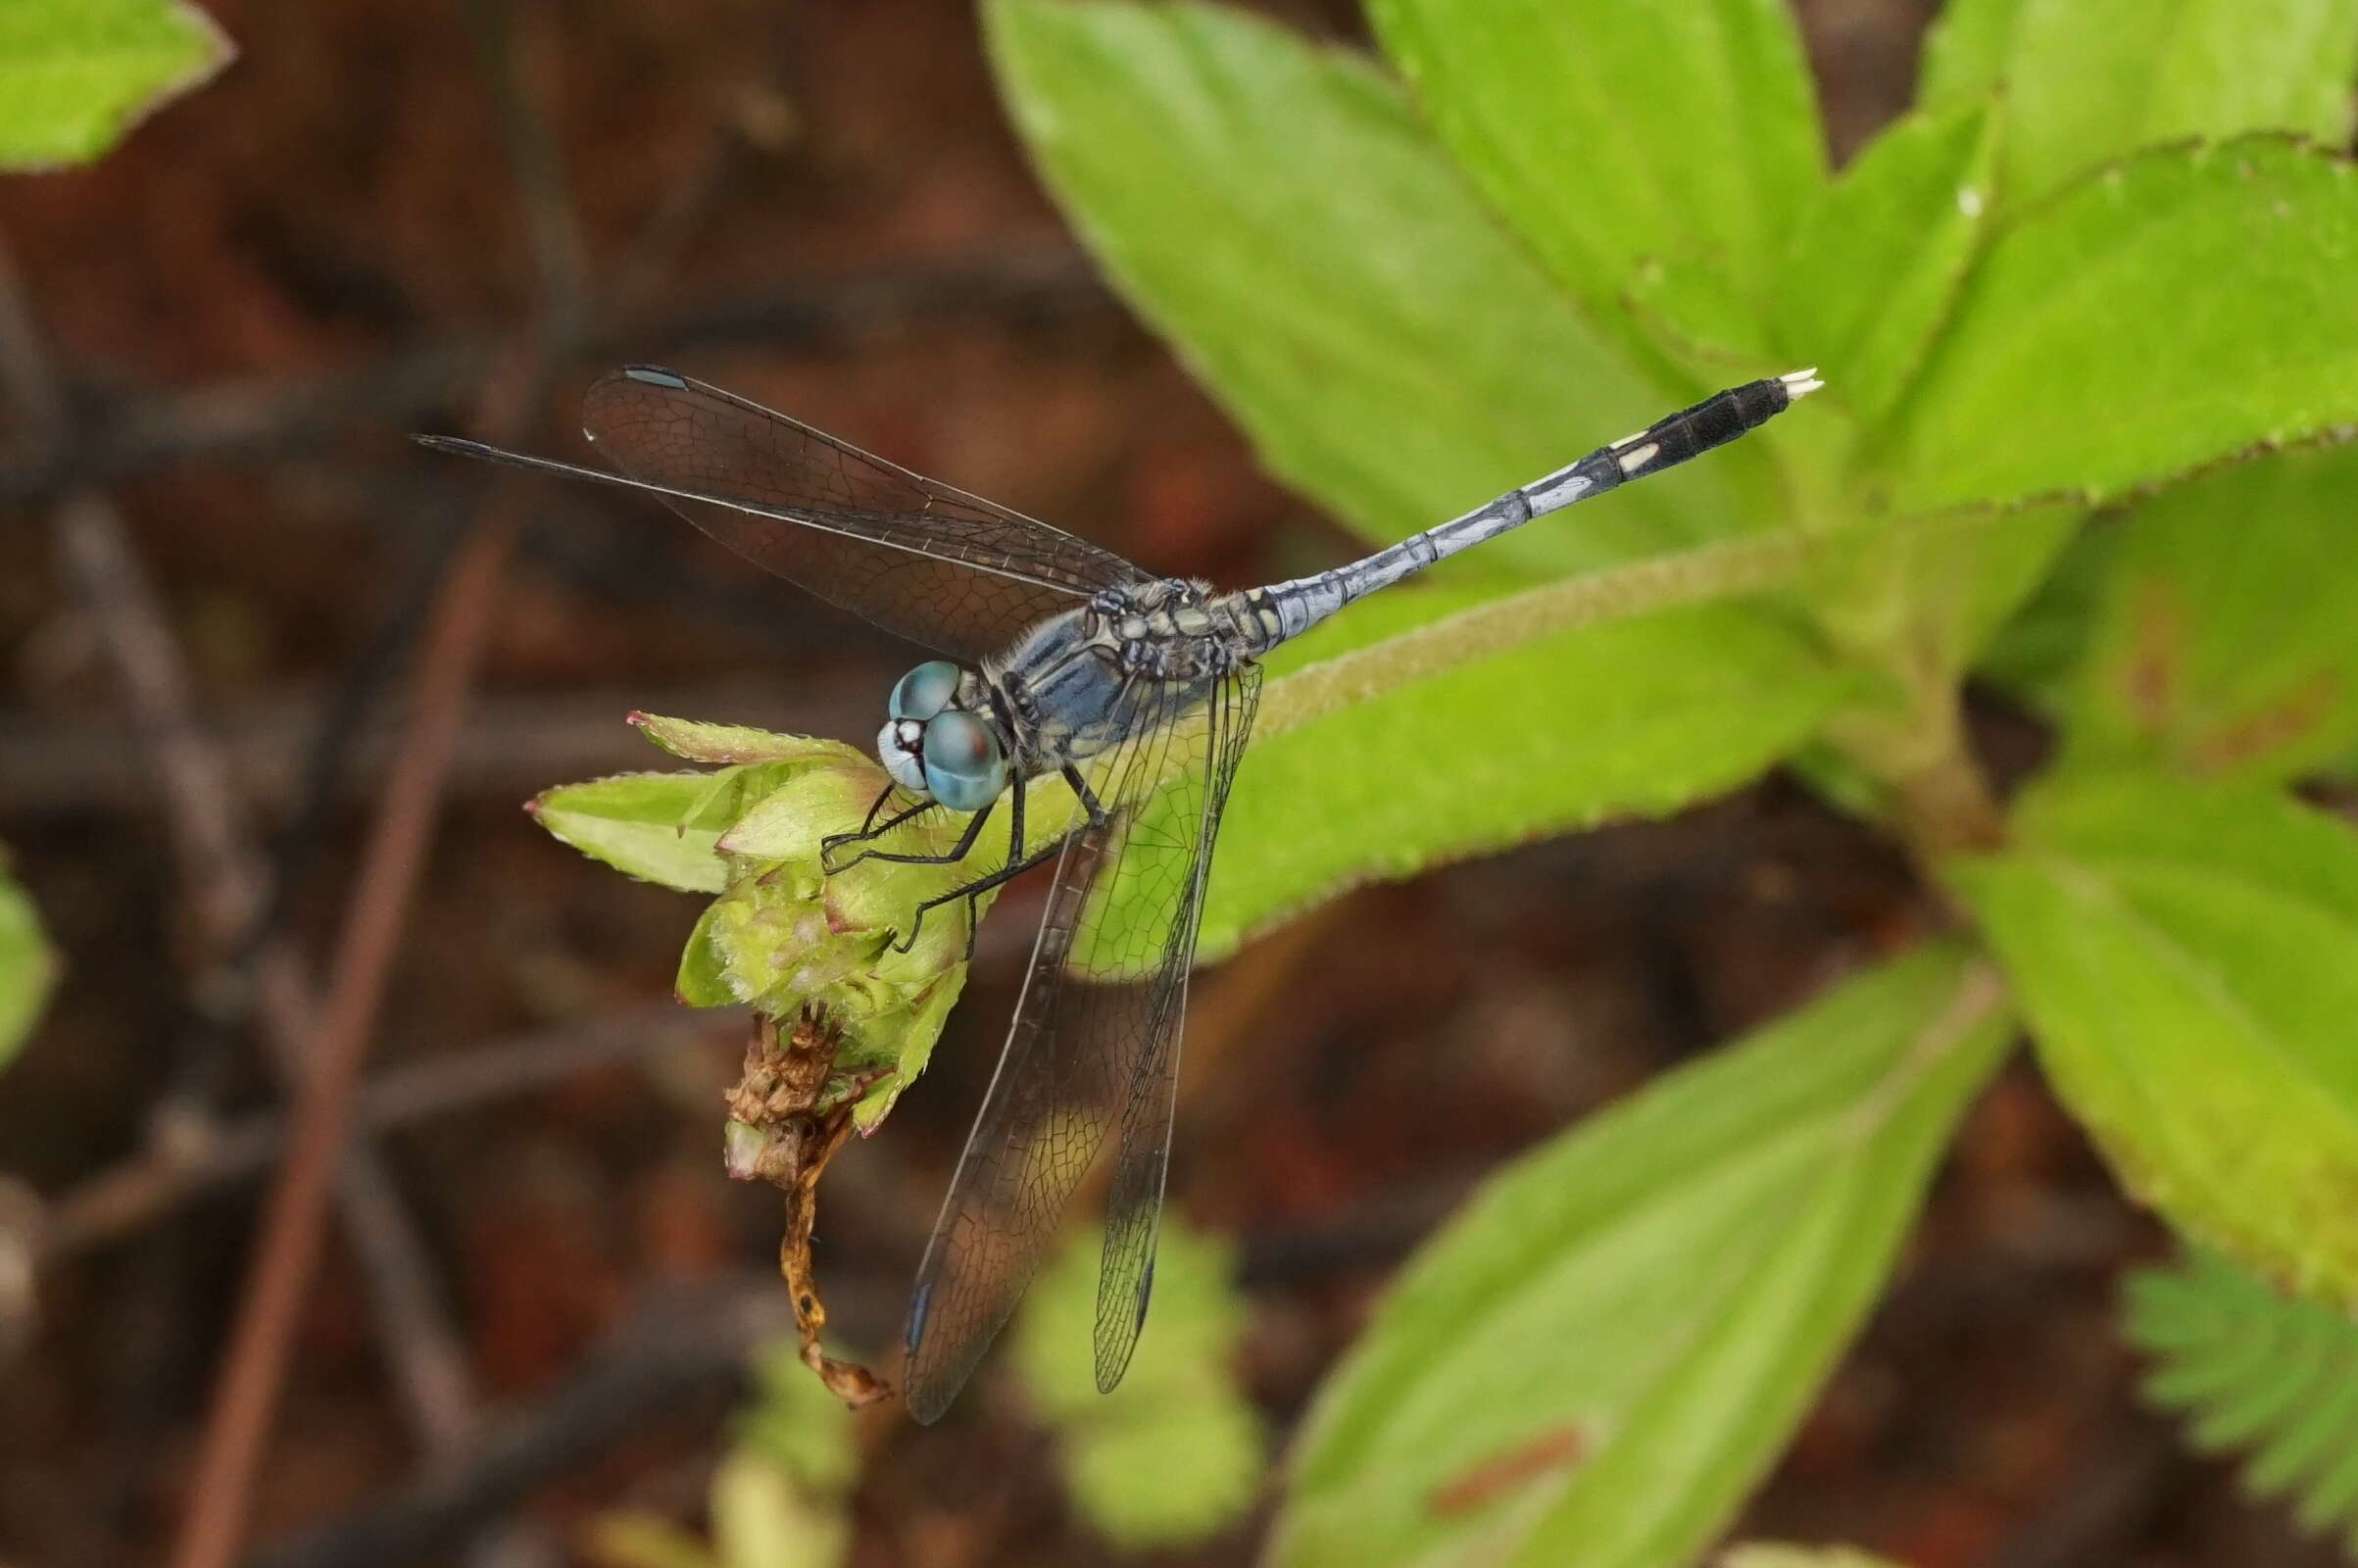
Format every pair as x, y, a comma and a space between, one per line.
1142, 1153
931, 564
1084, 1058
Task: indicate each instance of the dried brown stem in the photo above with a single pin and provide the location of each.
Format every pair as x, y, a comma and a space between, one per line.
784, 1126
223, 869
281, 1272
179, 1169
394, 855
263, 417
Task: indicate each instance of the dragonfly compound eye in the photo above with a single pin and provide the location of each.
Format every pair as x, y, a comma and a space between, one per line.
924, 691
965, 768
898, 748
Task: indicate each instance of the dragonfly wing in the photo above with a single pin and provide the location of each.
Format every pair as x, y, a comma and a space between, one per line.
1083, 1058
921, 560
1172, 878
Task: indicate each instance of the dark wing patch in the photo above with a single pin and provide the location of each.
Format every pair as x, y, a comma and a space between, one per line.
924, 560
1084, 1058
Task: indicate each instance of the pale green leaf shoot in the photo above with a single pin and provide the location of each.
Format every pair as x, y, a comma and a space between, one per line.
2255, 1372
76, 74
1173, 1456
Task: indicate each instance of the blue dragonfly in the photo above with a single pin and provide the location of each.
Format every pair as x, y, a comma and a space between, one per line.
1060, 659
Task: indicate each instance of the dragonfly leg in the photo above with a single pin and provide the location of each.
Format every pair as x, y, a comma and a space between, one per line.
1015, 866
1014, 853
870, 829
957, 851
981, 883
1018, 862
1085, 795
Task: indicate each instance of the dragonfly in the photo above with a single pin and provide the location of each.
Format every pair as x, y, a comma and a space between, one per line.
1058, 660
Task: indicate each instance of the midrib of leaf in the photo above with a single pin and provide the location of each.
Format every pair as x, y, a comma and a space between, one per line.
1980, 990
1734, 1266
1831, 1193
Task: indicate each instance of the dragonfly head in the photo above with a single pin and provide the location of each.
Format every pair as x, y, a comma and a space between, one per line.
934, 749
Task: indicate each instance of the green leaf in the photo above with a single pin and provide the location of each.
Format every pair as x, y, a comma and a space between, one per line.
667, 827
1173, 1456
2224, 638
796, 1425
2092, 79
761, 1519
1616, 134
2187, 955
28, 966
1919, 600
76, 74
1276, 211
1628, 717
2185, 306
1598, 1358
703, 980
1870, 277
639, 823
639, 1537
701, 742
2256, 1371
2037, 652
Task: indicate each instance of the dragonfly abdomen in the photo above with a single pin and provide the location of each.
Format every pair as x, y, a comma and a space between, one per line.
1299, 605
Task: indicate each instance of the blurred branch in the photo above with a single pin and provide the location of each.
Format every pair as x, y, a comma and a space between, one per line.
509, 745
562, 294
676, 1351
393, 857
270, 416
177, 1171
225, 875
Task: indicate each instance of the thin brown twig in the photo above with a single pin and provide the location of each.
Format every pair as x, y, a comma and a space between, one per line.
142, 1189
280, 1276
511, 746
268, 415
393, 858
222, 871
677, 1349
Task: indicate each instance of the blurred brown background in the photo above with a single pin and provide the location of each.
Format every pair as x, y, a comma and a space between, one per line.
249, 304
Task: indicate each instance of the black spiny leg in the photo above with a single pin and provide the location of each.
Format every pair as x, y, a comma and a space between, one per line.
955, 854
917, 919
1085, 795
870, 830
1018, 862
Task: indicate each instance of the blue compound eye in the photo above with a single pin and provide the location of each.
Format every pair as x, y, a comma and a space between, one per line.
924, 691
965, 768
